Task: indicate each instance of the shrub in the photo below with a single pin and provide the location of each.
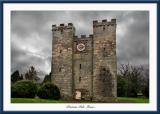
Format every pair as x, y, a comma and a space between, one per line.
16, 76
24, 89
49, 91
121, 86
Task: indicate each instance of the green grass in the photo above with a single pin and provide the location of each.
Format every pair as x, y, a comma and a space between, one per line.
34, 100
37, 100
132, 100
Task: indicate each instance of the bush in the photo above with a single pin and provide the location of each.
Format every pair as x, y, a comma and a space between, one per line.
49, 91
24, 89
121, 86
16, 76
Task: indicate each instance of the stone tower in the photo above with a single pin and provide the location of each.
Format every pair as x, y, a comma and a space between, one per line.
62, 54
104, 59
82, 65
85, 64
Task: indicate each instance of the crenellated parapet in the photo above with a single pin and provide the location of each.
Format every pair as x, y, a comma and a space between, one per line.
62, 27
96, 23
83, 37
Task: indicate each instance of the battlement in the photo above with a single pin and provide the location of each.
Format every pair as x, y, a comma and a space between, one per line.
104, 22
83, 36
62, 27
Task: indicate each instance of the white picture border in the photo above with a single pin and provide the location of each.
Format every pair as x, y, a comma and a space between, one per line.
8, 106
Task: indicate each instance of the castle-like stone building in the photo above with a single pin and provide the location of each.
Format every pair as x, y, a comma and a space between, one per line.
85, 67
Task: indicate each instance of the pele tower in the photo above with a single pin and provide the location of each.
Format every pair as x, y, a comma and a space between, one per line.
85, 67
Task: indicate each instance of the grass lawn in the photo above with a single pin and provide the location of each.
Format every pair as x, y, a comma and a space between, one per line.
36, 100
132, 100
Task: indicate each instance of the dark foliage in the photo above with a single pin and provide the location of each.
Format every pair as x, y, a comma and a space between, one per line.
131, 81
24, 89
16, 77
31, 74
121, 86
47, 78
146, 89
49, 91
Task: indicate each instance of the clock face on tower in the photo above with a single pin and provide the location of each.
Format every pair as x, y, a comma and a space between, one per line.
81, 47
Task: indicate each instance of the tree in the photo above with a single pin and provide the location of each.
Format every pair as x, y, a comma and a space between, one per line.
146, 89
47, 78
133, 78
24, 89
145, 82
16, 77
31, 74
49, 91
121, 86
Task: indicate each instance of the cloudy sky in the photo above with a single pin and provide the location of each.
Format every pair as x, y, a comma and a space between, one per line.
31, 35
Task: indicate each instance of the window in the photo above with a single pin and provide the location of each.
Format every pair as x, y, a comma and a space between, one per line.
103, 28
61, 31
104, 69
60, 51
79, 79
60, 69
104, 52
80, 66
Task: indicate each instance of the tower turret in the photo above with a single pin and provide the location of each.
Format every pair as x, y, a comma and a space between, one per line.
62, 57
104, 58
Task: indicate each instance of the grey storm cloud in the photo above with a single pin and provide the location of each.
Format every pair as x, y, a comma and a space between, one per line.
31, 35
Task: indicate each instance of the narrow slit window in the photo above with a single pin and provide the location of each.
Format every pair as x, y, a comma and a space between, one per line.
104, 52
79, 79
60, 51
61, 31
80, 66
60, 69
103, 28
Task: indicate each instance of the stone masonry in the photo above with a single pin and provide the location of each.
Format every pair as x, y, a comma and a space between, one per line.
87, 65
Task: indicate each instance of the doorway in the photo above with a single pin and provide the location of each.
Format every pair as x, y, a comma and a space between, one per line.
78, 95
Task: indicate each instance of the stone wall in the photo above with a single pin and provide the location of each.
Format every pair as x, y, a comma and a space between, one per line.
82, 62
104, 58
62, 53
